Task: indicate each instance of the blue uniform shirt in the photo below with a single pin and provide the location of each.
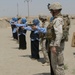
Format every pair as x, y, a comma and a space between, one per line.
22, 31
34, 31
13, 26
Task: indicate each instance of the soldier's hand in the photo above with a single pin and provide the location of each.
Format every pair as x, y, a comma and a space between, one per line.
53, 49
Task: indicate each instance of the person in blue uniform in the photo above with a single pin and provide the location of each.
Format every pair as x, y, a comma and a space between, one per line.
34, 37
11, 22
22, 35
14, 28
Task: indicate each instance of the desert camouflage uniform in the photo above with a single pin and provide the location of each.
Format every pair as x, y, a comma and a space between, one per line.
57, 60
43, 42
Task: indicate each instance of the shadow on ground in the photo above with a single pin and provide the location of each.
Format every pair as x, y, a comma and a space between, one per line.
29, 56
15, 48
25, 56
43, 74
74, 53
41, 60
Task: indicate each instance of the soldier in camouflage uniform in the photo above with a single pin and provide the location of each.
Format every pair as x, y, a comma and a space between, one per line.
44, 24
56, 45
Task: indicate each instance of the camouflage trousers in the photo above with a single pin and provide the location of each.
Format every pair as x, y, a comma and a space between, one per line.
44, 50
57, 61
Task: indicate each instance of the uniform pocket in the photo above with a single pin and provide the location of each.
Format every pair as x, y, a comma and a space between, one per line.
60, 59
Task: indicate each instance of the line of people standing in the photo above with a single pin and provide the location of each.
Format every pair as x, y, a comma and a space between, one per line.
22, 28
34, 38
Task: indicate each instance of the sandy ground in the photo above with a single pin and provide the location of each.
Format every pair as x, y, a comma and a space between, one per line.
18, 62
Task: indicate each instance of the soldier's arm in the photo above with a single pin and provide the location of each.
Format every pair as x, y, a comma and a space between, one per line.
58, 31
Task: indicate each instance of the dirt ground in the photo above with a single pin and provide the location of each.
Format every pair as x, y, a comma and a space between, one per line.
18, 62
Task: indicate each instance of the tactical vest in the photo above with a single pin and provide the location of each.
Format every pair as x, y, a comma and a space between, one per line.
50, 29
50, 35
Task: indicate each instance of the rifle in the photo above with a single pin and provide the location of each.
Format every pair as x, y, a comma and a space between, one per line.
31, 25
12, 21
7, 20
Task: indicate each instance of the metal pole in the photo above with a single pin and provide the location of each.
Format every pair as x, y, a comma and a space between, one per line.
28, 8
17, 10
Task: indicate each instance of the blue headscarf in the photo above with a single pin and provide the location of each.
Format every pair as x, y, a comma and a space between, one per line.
36, 22
15, 19
23, 21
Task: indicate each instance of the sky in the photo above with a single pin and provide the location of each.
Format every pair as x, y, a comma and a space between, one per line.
9, 8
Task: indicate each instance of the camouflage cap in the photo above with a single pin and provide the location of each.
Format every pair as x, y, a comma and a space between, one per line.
55, 6
43, 16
